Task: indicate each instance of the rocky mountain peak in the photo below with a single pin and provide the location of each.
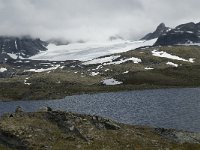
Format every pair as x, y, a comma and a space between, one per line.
161, 27
160, 30
182, 34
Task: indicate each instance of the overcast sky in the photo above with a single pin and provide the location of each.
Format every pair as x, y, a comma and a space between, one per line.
92, 19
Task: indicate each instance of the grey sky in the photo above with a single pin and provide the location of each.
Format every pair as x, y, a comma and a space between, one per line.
92, 19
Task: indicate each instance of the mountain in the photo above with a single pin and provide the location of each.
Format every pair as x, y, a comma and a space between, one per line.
160, 30
183, 34
189, 27
20, 47
188, 33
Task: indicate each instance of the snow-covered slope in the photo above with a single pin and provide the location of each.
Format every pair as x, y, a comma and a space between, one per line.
88, 51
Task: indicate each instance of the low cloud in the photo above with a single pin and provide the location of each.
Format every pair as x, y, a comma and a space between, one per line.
92, 19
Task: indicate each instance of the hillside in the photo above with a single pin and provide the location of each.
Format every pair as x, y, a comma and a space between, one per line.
168, 57
143, 68
49, 129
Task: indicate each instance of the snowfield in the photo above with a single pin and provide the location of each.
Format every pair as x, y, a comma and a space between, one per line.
88, 51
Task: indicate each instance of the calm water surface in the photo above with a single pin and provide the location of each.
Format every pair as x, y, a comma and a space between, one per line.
167, 108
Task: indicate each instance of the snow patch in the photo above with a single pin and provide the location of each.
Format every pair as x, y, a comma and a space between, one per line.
148, 68
25, 82
99, 67
169, 56
62, 67
94, 73
16, 44
3, 69
106, 70
111, 82
101, 60
43, 70
190, 32
13, 56
191, 60
133, 59
172, 64
125, 72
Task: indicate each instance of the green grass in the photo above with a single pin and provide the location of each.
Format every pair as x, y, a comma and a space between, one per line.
47, 86
182, 76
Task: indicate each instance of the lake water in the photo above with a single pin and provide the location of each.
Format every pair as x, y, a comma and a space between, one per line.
167, 108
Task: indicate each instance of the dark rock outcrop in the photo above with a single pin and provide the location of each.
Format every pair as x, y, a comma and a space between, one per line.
174, 38
182, 34
189, 27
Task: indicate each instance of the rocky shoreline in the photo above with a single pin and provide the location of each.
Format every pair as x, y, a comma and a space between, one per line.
48, 129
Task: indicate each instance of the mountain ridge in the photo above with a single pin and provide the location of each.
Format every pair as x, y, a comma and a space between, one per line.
187, 33
161, 29
12, 47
